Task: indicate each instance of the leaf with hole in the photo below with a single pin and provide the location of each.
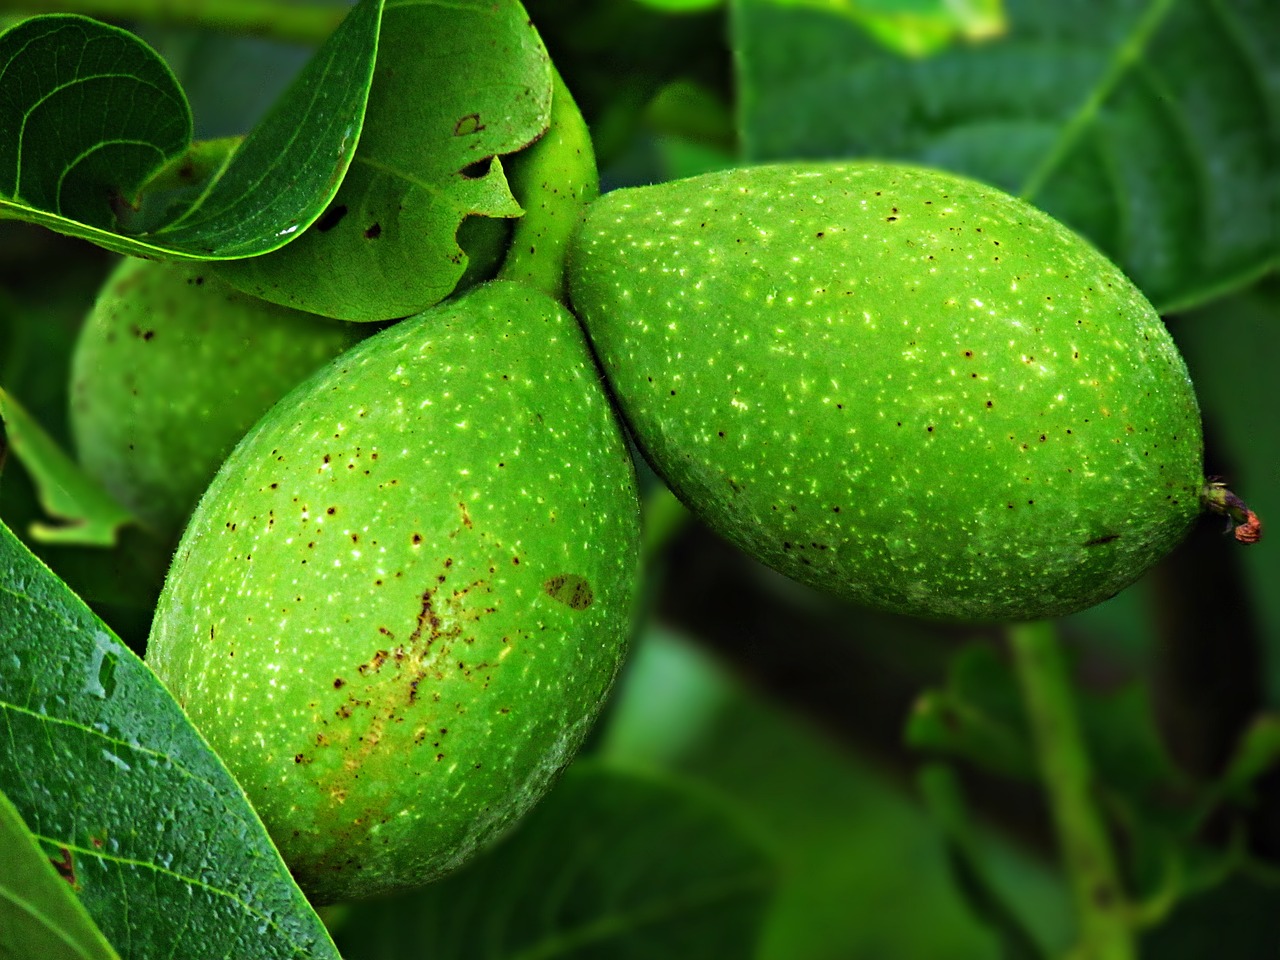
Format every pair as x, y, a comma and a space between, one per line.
456, 85
39, 914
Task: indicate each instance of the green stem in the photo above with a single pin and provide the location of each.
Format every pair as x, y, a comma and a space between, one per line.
553, 181
259, 18
1101, 906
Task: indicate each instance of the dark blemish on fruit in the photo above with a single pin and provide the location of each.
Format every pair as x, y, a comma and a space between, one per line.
338, 683
930, 429
373, 232
891, 219
468, 125
331, 218
466, 517
515, 561
375, 663
570, 589
331, 511
298, 758
1098, 541
416, 538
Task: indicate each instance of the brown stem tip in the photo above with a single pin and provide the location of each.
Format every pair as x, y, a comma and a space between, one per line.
1243, 522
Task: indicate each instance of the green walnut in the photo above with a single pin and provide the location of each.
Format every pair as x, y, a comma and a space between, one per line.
405, 595
895, 384
171, 368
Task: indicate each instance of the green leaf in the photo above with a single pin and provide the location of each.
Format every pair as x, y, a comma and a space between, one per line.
916, 28
1257, 752
941, 790
168, 857
39, 914
1152, 128
1158, 810
456, 85
88, 514
854, 848
611, 865
977, 716
289, 167
91, 113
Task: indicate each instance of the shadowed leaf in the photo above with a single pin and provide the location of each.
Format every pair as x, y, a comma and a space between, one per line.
89, 113
611, 865
1153, 128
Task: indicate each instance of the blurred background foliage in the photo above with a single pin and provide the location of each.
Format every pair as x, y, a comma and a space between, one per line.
884, 762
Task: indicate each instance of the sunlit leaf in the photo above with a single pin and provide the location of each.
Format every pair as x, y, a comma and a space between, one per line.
86, 513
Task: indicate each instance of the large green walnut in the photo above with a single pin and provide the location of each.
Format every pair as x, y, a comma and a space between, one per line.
895, 384
172, 367
402, 601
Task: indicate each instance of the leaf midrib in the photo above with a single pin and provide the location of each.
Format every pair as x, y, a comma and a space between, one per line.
1122, 59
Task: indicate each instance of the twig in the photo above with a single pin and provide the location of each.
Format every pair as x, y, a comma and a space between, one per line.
1101, 907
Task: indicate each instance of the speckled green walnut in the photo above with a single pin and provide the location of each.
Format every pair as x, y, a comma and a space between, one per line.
895, 384
401, 602
171, 368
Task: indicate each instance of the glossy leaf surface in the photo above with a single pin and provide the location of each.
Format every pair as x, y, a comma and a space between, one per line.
100, 762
